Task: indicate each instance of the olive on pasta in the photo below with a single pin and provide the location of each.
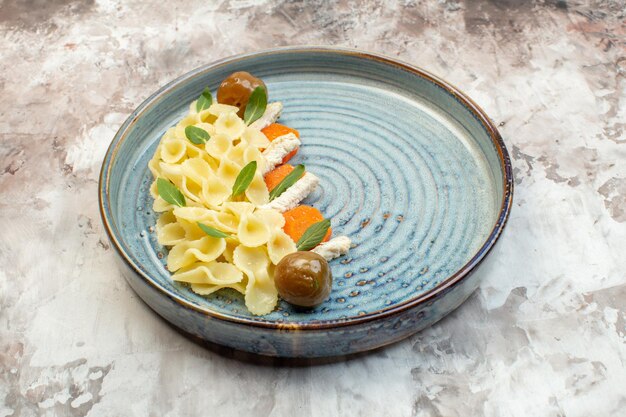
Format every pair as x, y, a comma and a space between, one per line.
235, 90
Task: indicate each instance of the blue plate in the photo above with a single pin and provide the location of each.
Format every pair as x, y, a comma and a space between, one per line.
411, 170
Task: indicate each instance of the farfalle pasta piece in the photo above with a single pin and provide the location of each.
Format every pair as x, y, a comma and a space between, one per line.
169, 231
201, 163
205, 249
279, 245
272, 218
203, 289
253, 154
218, 109
238, 208
252, 231
250, 154
228, 171
261, 295
171, 234
208, 277
205, 116
209, 273
153, 164
165, 219
169, 133
254, 137
197, 151
173, 150
196, 168
226, 222
236, 153
160, 205
230, 124
231, 244
192, 231
257, 192
201, 184
218, 146
214, 191
193, 171
172, 172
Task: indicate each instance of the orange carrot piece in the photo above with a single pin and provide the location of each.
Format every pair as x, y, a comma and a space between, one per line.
275, 176
300, 218
275, 130
289, 156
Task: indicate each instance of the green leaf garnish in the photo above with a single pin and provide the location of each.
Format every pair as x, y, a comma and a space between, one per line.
256, 105
204, 101
211, 231
287, 182
313, 235
244, 179
197, 135
170, 193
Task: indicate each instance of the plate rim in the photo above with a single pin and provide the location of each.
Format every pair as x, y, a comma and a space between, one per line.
423, 298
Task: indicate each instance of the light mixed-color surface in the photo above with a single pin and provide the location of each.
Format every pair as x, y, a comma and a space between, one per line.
544, 335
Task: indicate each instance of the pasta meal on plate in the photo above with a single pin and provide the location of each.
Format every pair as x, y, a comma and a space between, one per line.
229, 202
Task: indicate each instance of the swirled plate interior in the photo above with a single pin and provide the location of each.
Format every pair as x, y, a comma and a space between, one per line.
406, 172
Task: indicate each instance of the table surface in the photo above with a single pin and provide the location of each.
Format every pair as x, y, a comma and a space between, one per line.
545, 333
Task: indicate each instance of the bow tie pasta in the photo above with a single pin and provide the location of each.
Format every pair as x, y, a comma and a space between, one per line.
205, 174
215, 214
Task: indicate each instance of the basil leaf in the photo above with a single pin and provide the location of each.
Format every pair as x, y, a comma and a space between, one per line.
170, 193
287, 182
211, 231
313, 235
256, 105
244, 178
197, 135
204, 101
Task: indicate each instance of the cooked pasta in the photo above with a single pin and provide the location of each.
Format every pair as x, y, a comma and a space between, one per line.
218, 238
205, 174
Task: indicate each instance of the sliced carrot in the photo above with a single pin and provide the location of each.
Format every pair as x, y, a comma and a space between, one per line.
275, 176
276, 130
300, 218
289, 155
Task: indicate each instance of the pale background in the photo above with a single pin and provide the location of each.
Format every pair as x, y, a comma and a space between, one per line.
544, 335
